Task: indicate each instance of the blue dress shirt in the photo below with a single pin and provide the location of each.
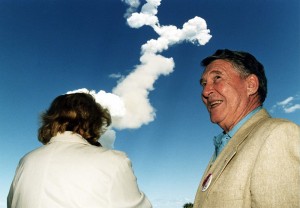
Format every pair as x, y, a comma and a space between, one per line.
222, 139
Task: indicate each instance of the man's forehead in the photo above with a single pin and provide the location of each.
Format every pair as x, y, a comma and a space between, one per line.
218, 66
215, 71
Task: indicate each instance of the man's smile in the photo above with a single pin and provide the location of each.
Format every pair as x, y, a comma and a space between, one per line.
214, 104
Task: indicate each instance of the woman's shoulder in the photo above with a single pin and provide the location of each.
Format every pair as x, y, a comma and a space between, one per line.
111, 155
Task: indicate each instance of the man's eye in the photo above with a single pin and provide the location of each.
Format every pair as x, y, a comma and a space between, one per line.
217, 77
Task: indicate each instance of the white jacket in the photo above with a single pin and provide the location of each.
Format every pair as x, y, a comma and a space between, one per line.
68, 172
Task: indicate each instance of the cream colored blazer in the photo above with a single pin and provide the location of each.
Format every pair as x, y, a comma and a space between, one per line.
68, 172
259, 167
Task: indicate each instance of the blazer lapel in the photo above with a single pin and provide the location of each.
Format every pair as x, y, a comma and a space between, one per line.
216, 168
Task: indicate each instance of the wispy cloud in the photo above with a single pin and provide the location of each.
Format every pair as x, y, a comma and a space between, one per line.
288, 105
286, 101
292, 108
116, 76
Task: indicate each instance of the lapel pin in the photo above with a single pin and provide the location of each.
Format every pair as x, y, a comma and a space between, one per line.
206, 182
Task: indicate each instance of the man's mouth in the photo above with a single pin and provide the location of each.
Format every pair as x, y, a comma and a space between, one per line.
214, 104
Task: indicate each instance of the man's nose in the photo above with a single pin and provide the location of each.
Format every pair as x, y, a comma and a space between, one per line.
207, 90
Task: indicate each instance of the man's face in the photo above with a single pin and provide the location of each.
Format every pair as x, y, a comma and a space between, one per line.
224, 94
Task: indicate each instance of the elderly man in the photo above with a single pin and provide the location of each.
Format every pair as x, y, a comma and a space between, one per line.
257, 158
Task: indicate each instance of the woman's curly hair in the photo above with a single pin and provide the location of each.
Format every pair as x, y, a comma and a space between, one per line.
79, 113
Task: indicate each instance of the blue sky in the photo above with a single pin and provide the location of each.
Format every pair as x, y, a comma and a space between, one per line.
54, 46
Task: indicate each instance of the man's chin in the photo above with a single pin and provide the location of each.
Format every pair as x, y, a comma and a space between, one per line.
214, 119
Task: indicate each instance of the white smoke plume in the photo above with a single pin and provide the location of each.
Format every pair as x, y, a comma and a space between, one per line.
134, 90
194, 30
128, 103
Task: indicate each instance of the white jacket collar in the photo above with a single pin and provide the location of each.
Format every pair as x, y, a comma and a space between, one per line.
68, 136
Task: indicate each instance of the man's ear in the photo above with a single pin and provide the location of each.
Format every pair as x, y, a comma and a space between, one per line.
252, 84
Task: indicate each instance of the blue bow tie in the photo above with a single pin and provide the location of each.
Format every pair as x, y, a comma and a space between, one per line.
220, 142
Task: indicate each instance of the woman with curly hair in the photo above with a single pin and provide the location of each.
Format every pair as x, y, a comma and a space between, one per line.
72, 169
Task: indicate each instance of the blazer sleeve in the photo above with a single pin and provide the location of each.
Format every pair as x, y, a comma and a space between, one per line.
275, 180
125, 191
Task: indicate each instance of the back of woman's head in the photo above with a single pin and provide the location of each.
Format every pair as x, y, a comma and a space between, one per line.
79, 113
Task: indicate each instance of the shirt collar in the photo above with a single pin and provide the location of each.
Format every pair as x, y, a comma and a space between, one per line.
218, 139
241, 122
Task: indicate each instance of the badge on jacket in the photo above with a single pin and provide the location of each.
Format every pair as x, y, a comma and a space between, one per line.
206, 182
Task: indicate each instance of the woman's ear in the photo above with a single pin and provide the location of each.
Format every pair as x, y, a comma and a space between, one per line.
252, 84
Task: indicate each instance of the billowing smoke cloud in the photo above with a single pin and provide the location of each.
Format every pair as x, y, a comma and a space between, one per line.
195, 30
112, 102
134, 90
133, 5
128, 103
